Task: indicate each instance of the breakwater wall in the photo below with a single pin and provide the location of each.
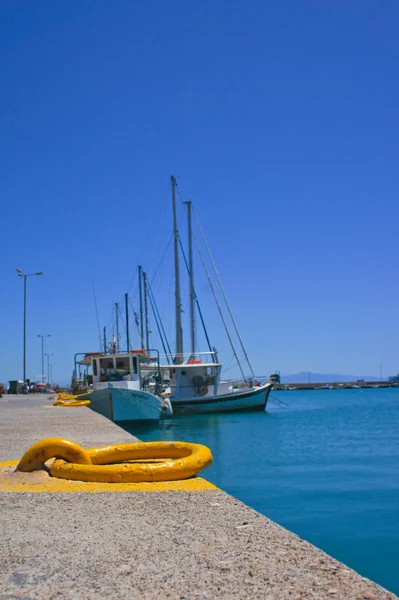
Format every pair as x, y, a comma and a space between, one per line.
174, 544
333, 385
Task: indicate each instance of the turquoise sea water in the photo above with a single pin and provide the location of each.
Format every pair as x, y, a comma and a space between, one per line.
325, 467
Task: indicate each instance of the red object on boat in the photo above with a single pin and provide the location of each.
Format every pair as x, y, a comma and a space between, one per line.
193, 362
138, 351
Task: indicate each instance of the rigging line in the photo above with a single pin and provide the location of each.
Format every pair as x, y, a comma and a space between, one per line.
98, 322
131, 282
198, 306
159, 218
166, 274
120, 303
120, 300
155, 224
110, 324
125, 329
229, 364
158, 326
219, 307
121, 317
273, 401
223, 292
278, 400
136, 320
227, 369
154, 304
184, 204
113, 318
162, 257
162, 204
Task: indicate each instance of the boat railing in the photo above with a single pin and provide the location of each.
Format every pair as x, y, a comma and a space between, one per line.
188, 358
245, 383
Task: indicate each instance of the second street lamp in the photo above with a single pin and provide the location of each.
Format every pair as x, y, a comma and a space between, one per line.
48, 365
43, 336
25, 275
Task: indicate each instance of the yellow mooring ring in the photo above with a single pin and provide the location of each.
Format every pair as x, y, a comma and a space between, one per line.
70, 400
107, 464
71, 403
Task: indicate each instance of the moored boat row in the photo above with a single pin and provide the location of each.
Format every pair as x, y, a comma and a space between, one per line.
136, 386
142, 385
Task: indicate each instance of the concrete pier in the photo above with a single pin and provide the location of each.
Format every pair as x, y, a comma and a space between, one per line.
133, 545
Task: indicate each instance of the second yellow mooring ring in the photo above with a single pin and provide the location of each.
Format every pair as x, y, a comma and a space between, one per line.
70, 400
71, 403
108, 464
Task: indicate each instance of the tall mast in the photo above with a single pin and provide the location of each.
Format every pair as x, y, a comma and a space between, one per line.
141, 307
179, 331
117, 325
191, 273
147, 332
127, 322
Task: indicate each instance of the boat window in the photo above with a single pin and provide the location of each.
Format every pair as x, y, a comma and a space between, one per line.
122, 365
107, 366
94, 367
208, 371
134, 364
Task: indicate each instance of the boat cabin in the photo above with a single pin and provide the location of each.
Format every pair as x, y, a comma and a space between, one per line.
115, 367
192, 378
135, 369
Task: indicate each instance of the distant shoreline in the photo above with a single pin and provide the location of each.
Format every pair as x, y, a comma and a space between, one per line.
334, 385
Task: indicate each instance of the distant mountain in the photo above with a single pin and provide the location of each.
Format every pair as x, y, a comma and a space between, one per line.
306, 377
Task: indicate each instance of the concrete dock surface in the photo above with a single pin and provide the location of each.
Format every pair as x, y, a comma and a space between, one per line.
135, 545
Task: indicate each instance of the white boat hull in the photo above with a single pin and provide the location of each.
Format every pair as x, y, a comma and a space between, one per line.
123, 404
244, 400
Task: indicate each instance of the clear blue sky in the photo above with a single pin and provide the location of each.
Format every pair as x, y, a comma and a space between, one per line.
280, 120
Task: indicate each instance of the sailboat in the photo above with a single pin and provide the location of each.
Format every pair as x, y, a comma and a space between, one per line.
193, 381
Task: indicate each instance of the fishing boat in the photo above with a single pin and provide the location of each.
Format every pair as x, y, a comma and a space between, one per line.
126, 386
195, 386
142, 384
193, 381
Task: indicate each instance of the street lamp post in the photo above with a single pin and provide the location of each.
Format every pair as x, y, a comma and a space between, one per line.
25, 275
48, 366
43, 336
